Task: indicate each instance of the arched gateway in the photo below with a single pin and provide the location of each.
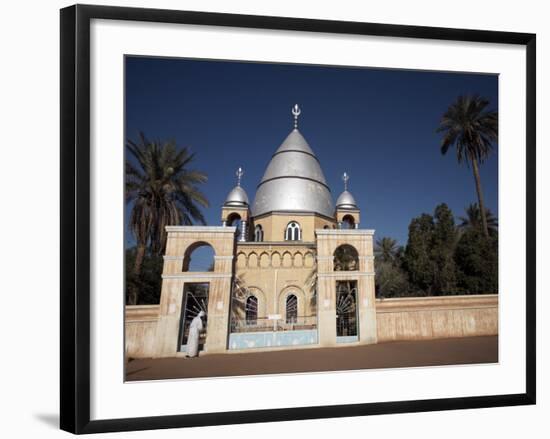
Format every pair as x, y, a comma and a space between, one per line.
295, 270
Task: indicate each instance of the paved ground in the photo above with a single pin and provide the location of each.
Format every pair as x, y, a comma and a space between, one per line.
395, 354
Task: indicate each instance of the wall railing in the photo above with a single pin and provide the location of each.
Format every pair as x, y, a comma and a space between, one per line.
265, 324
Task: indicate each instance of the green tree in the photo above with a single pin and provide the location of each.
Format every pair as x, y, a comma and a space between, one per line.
471, 129
148, 283
429, 255
443, 244
476, 258
391, 280
417, 259
472, 220
162, 190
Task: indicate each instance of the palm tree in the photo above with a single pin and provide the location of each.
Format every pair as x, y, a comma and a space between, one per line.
473, 219
386, 249
472, 129
163, 191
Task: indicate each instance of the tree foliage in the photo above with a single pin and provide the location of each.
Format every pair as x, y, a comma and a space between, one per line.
162, 190
148, 283
472, 220
386, 249
476, 258
417, 261
391, 280
443, 246
438, 260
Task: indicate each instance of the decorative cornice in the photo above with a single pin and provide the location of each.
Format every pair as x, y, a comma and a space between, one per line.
231, 207
294, 213
348, 209
436, 303
308, 244
208, 229
173, 258
180, 258
346, 274
197, 275
336, 232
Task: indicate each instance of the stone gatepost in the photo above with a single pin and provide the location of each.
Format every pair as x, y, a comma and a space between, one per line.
326, 295
219, 305
327, 242
181, 239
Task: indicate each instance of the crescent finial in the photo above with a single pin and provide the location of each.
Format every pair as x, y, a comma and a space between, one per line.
345, 178
239, 175
296, 111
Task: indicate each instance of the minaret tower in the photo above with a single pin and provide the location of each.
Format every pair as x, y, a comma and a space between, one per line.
236, 208
347, 212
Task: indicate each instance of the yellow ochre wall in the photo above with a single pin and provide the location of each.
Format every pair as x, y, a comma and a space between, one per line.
274, 225
272, 272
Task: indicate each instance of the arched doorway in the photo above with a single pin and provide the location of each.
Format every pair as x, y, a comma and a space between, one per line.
346, 311
198, 257
346, 258
195, 300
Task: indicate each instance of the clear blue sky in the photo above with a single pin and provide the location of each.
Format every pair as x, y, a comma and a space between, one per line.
376, 124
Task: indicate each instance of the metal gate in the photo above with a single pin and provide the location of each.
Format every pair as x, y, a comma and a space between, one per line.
346, 311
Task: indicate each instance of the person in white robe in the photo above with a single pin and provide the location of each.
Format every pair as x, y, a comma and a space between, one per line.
194, 333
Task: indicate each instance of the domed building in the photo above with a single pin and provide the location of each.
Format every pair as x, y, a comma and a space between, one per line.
290, 269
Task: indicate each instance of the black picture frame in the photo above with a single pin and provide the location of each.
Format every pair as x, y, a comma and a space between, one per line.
75, 218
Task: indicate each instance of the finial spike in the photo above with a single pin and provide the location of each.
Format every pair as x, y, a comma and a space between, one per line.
239, 175
296, 112
345, 178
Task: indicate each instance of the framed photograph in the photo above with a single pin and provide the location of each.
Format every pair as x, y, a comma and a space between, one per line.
268, 219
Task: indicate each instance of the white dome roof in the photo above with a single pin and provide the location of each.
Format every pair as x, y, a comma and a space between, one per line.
237, 197
346, 201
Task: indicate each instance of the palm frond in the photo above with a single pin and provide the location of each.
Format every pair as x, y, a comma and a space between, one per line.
162, 189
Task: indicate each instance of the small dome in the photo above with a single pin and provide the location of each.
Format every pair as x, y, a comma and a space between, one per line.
237, 197
346, 201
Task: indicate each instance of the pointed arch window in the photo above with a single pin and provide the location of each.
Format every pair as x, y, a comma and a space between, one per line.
293, 232
251, 310
291, 309
258, 233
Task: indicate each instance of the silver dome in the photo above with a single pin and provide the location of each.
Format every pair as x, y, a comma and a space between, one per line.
346, 201
293, 181
237, 197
